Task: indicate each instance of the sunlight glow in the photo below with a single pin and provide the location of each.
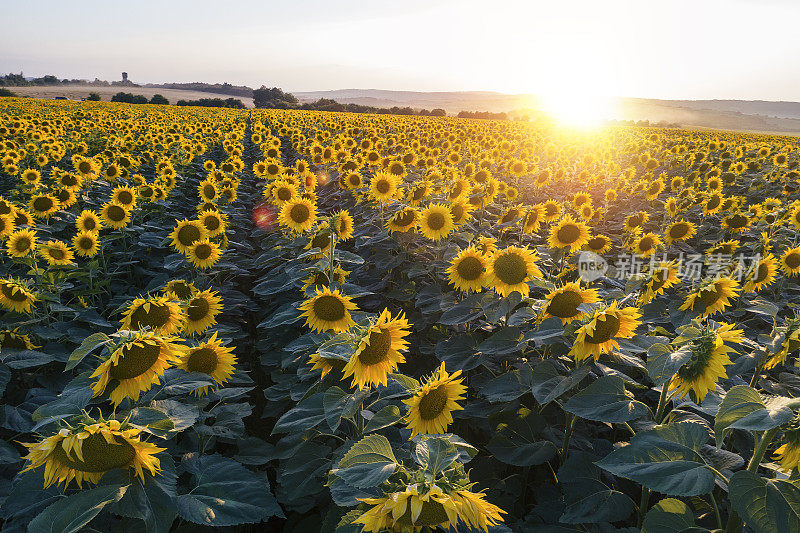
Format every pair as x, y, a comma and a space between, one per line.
577, 109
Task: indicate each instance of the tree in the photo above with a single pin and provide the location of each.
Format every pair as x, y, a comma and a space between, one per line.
159, 99
263, 97
6, 92
93, 97
438, 113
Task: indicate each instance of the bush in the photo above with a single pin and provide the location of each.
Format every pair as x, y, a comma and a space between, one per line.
93, 97
6, 92
159, 99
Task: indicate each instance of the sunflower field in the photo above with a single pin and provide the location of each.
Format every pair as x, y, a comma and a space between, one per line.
298, 321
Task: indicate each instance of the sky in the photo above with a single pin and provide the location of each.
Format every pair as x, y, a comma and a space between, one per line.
675, 49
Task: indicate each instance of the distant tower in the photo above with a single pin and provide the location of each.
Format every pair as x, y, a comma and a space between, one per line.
124, 77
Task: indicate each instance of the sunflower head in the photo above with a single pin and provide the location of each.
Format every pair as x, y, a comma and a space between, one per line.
430, 408
86, 243
159, 313
180, 289
21, 243
201, 311
328, 310
378, 351
565, 302
467, 270
711, 297
510, 269
436, 222
403, 221
569, 233
212, 358
204, 253
599, 333
16, 296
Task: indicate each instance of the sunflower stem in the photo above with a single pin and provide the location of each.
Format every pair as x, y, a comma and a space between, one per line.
567, 436
662, 404
330, 258
734, 521
643, 503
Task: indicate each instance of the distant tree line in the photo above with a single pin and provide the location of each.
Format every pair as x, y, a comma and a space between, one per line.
219, 88
18, 80
158, 99
234, 103
483, 115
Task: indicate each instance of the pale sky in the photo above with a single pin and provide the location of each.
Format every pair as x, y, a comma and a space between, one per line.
696, 49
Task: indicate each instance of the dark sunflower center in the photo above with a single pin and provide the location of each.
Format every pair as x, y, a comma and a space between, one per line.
565, 304
125, 197
12, 294
158, 316
761, 273
211, 222
299, 213
86, 243
98, 455
284, 194
329, 308
84, 167
436, 221
209, 191
202, 251
604, 330
511, 268
198, 309
116, 213
89, 223
678, 231
203, 360
596, 243
383, 186
646, 244
188, 235
432, 404
321, 241
43, 204
713, 202
710, 295
23, 244
658, 280
57, 253
568, 233
404, 218
376, 351
470, 268
635, 221
458, 211
737, 221
181, 290
135, 361
793, 260
15, 342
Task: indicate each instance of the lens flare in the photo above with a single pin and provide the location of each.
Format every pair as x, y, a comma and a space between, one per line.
265, 216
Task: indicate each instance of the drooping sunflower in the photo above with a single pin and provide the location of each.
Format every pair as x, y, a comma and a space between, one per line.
419, 507
383, 187
680, 230
43, 205
16, 296
201, 311
212, 358
711, 297
213, 221
709, 357
86, 243
325, 364
600, 333
564, 301
56, 253
115, 215
378, 351
788, 453
510, 269
763, 274
403, 221
636, 220
569, 233
14, 340
430, 408
461, 211
6, 226
661, 277
343, 225
298, 214
467, 270
790, 262
136, 363
161, 313
328, 310
533, 218
87, 451
204, 254
737, 222
88, 221
436, 222
21, 243
179, 289
187, 233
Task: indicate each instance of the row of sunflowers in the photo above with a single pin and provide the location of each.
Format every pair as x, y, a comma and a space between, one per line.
346, 323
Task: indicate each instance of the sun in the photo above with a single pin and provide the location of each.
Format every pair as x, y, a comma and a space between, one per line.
577, 108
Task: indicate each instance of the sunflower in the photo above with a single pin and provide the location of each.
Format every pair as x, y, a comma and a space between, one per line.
552, 210
6, 226
186, 234
56, 253
21, 243
343, 225
709, 356
211, 358
378, 351
436, 221
461, 211
136, 363
325, 364
790, 262
207, 190
569, 233
213, 221
794, 216
383, 186
598, 244
298, 214
737, 222
201, 311
86, 243
662, 277
12, 339
533, 218
403, 221
15, 296
328, 310
282, 191
88, 221
43, 205
763, 275
204, 254
180, 289
564, 302
510, 269
646, 245
124, 196
161, 313
680, 230
600, 332
636, 220
711, 297
788, 454
467, 270
418, 507
87, 451
430, 408
115, 215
